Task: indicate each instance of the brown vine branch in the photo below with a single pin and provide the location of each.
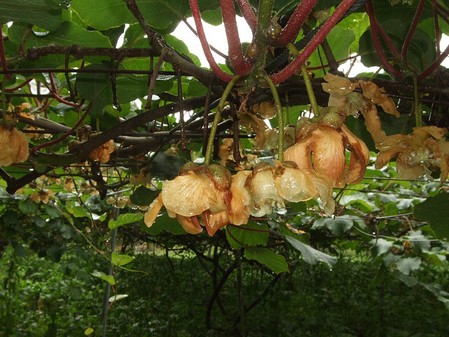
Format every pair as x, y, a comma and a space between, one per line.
81, 52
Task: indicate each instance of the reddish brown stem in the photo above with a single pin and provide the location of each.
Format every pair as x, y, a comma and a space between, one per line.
248, 14
412, 29
435, 64
17, 87
240, 65
2, 54
388, 41
376, 41
436, 27
215, 50
204, 44
319, 37
55, 94
295, 22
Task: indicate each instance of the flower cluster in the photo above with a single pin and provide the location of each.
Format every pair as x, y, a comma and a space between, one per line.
210, 196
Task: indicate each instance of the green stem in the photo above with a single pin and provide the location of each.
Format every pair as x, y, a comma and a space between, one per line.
217, 118
280, 116
264, 16
310, 93
416, 103
263, 24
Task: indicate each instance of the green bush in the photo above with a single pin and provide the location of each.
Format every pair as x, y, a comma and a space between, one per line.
173, 297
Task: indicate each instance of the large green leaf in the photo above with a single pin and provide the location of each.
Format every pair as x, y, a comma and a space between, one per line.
395, 21
130, 87
252, 234
268, 258
435, 211
68, 34
163, 15
43, 13
96, 87
102, 14
310, 254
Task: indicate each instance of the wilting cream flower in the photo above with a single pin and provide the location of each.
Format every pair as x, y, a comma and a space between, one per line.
13, 145
321, 148
270, 186
199, 196
418, 153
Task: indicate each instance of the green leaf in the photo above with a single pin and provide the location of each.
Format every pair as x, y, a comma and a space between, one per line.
108, 278
121, 259
130, 87
381, 246
125, 219
311, 255
96, 87
36, 12
252, 234
165, 223
167, 16
68, 34
143, 196
28, 206
75, 209
102, 14
338, 225
268, 258
435, 211
408, 264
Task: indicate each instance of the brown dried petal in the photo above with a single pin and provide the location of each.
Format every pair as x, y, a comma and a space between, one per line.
378, 96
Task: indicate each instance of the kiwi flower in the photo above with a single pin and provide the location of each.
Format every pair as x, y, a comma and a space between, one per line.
321, 148
14, 146
199, 196
418, 153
